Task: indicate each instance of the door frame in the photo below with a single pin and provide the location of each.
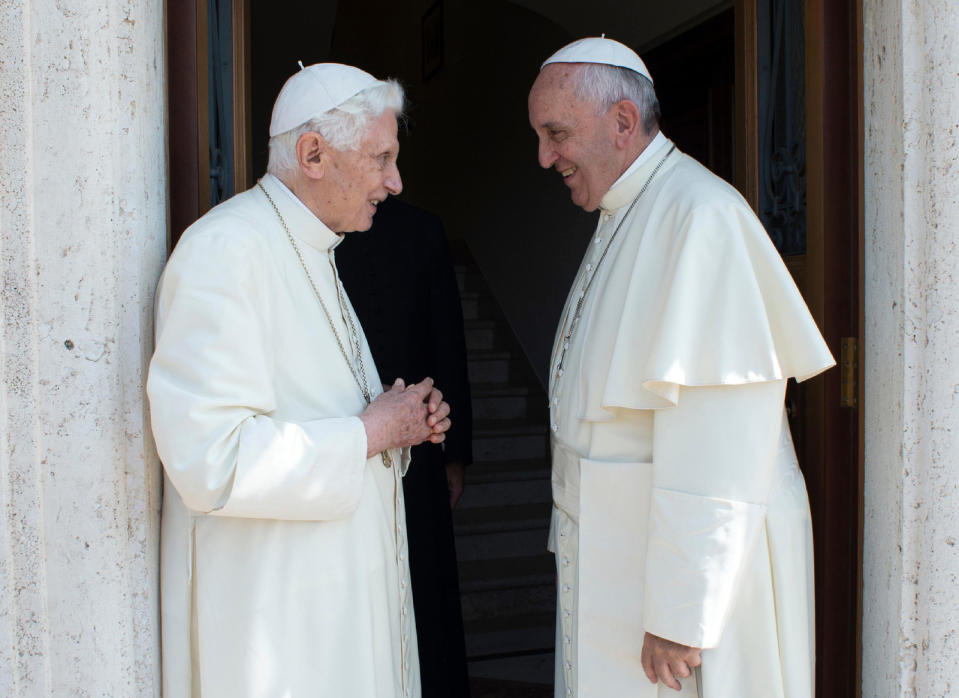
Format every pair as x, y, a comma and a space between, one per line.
189, 108
830, 276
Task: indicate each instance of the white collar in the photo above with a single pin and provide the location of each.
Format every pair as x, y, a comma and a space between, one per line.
293, 196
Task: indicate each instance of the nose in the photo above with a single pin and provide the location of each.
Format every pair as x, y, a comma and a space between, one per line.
393, 181
547, 156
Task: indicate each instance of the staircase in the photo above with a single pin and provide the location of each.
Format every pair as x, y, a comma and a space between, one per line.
501, 523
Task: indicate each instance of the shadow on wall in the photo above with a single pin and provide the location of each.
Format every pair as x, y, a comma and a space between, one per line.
470, 154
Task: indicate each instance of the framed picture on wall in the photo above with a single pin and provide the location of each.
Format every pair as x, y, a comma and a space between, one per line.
433, 40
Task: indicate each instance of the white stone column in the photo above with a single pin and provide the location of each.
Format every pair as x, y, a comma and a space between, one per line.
82, 240
911, 539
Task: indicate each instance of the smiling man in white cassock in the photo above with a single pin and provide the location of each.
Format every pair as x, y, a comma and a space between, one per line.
284, 557
680, 524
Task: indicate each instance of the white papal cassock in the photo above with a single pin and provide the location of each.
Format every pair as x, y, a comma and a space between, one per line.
284, 569
679, 506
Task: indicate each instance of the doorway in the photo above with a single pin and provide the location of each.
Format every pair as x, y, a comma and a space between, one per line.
468, 155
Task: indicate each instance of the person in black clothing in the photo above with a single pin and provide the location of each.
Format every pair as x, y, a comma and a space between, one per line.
401, 282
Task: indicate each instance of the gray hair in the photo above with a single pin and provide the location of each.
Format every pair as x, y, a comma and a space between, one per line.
342, 127
605, 85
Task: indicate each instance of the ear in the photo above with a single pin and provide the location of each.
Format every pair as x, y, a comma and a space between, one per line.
627, 122
312, 154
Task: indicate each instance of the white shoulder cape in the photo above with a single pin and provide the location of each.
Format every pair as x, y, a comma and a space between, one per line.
703, 299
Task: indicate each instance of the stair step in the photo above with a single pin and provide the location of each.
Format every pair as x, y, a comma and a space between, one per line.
469, 278
481, 334
510, 517
489, 366
502, 544
521, 633
478, 306
540, 598
506, 470
527, 675
505, 573
499, 493
507, 577
498, 401
470, 304
508, 441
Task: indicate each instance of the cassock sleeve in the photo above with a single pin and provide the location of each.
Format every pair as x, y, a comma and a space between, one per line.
449, 350
211, 391
713, 460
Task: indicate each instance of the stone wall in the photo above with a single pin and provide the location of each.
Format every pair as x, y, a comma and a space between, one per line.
83, 223
911, 538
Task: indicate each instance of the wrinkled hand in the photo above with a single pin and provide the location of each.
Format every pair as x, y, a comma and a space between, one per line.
405, 416
664, 660
438, 420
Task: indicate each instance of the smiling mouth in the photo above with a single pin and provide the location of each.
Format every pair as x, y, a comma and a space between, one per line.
567, 172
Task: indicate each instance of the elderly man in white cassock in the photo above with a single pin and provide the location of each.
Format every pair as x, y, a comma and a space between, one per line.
680, 524
284, 556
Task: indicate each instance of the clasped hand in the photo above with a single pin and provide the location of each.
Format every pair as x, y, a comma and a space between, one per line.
664, 660
405, 416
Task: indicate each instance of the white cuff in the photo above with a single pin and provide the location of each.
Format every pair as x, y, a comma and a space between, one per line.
697, 549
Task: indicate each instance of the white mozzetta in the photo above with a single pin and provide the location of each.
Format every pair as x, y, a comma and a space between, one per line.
911, 537
83, 208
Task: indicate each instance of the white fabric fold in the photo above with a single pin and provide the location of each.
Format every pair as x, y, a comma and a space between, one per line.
294, 471
714, 459
702, 298
227, 444
697, 547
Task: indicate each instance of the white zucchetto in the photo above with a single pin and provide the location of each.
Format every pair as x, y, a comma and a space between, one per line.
315, 90
600, 50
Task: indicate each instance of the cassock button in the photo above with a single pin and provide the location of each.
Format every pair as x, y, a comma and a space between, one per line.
555, 428
566, 637
565, 562
555, 400
569, 664
567, 614
566, 588
589, 267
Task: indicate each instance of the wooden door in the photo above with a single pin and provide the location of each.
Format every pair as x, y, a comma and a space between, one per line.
189, 27
826, 413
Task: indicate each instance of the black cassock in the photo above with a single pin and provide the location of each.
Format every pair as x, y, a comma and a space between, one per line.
401, 283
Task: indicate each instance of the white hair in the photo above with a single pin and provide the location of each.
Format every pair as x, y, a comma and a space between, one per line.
342, 127
605, 85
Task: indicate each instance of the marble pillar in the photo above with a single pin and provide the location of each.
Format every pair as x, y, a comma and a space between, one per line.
82, 240
911, 529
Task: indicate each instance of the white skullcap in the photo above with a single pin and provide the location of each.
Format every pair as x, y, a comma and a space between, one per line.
600, 50
315, 90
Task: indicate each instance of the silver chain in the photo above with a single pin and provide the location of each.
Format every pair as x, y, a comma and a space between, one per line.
571, 319
356, 364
